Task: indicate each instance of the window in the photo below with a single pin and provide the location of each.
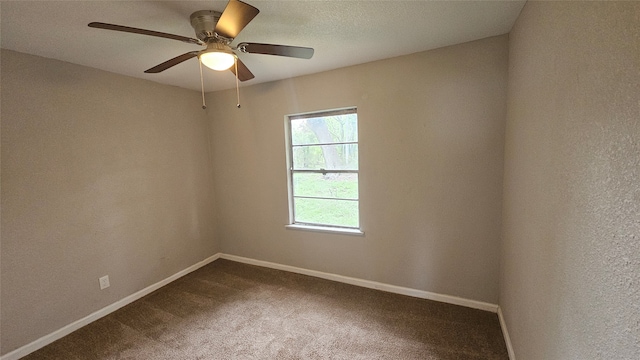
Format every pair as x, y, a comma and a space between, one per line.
323, 169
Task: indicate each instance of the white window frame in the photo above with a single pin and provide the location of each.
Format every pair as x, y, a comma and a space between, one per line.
290, 171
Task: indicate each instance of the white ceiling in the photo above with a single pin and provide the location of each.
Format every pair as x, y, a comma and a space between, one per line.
342, 33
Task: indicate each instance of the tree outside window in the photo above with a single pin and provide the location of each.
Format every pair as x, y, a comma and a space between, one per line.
323, 165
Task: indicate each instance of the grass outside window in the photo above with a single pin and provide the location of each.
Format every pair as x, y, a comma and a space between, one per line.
323, 169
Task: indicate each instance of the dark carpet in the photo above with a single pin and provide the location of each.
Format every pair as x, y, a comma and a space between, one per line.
229, 310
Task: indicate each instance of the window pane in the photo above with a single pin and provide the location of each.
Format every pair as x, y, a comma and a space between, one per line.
326, 140
325, 129
329, 157
327, 212
343, 186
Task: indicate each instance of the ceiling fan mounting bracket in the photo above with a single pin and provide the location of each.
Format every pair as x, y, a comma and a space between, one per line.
204, 23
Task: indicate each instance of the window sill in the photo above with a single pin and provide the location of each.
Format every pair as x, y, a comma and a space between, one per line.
325, 229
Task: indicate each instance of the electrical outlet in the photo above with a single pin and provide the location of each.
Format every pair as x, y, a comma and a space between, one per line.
104, 282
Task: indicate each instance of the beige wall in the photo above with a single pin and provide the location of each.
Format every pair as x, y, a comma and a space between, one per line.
570, 277
431, 130
101, 174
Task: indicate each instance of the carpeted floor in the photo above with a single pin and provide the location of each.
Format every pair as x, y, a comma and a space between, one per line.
229, 310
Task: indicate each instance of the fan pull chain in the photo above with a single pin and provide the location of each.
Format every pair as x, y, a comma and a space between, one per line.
237, 84
204, 105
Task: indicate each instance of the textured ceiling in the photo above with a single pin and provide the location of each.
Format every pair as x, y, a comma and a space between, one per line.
342, 33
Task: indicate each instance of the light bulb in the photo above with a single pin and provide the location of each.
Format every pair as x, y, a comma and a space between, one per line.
217, 60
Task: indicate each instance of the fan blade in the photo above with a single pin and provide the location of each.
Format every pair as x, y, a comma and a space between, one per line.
169, 63
128, 29
243, 71
234, 18
280, 50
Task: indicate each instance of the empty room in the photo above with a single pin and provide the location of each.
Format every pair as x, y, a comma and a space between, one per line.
320, 180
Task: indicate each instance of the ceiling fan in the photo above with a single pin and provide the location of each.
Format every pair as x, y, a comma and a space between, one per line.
216, 31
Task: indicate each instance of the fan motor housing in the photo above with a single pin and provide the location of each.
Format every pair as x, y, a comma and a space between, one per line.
204, 23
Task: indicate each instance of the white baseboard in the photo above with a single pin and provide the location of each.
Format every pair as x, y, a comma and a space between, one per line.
60, 333
66, 330
505, 333
370, 284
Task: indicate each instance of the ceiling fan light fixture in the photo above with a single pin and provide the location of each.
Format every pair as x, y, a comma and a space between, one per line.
218, 60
